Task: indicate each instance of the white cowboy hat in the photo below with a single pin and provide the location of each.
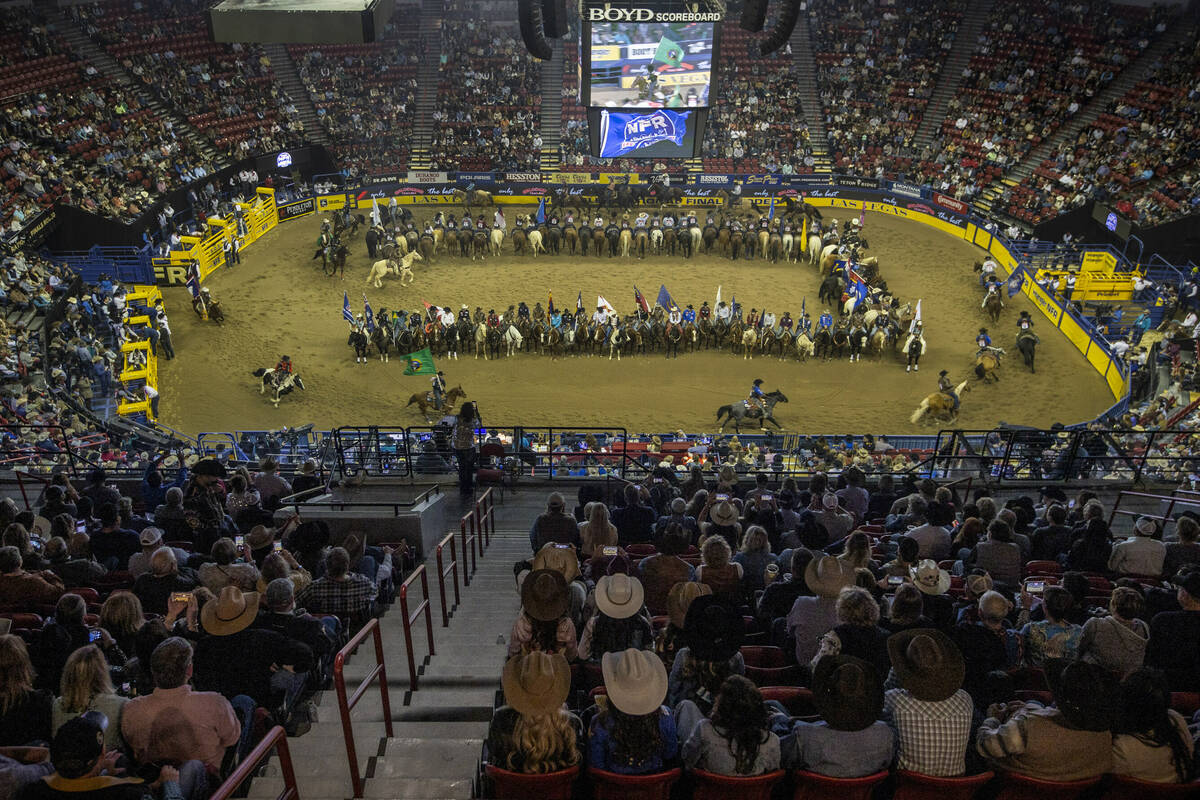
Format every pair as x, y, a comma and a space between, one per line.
619, 596
636, 681
930, 578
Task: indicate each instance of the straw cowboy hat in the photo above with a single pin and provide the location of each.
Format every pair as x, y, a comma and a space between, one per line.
619, 596
847, 692
636, 681
537, 683
713, 630
927, 663
977, 585
930, 578
827, 576
40, 526
680, 598
724, 513
231, 612
544, 595
560, 559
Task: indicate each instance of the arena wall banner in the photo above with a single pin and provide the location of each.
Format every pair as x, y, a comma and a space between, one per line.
565, 177
952, 203
426, 176
464, 178
297, 209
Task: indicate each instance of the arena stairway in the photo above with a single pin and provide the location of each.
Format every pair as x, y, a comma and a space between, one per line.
1134, 72
551, 114
810, 99
975, 17
438, 729
289, 79
427, 83
111, 69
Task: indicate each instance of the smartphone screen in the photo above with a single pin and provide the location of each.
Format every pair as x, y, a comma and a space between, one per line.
722, 497
181, 597
608, 550
767, 496
1035, 587
895, 580
239, 540
658, 480
93, 636
81, 527
278, 546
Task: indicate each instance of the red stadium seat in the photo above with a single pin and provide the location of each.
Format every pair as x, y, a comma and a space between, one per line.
519, 786
1023, 787
1043, 568
613, 786
710, 786
812, 786
763, 656
1124, 787
796, 699
915, 786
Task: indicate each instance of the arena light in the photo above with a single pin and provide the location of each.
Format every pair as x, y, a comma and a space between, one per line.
783, 28
533, 32
754, 15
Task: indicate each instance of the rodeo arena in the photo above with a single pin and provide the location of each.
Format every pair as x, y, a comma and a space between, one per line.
643, 399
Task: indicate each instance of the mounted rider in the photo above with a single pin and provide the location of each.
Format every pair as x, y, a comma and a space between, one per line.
601, 316
984, 342
946, 387
768, 320
786, 323
689, 315
522, 311
757, 398
993, 290
464, 314
493, 320
914, 347
804, 324
675, 320
825, 320
987, 270
1025, 322
438, 383
724, 312
752, 318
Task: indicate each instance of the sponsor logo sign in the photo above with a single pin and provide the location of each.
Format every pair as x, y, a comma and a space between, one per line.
714, 180
954, 204
297, 209
906, 189
523, 177
609, 14
625, 133
858, 182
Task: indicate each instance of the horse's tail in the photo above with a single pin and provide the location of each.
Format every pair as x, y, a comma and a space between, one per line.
258, 373
921, 409
411, 400
980, 371
724, 411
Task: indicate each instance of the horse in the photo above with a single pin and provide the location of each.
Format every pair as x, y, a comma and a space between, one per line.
987, 365
572, 237
858, 338
426, 246
672, 335
598, 241
823, 343
749, 340
495, 240
480, 244
641, 242
425, 399
841, 341
993, 305
939, 405
402, 267
877, 343
775, 247
535, 242
472, 197
450, 335
512, 340
656, 241
804, 346
358, 340
625, 241
830, 291
766, 341
1027, 342
738, 411
616, 336
382, 339
279, 383
480, 337
814, 249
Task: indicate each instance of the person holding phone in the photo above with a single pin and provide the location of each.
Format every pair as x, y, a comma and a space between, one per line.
230, 567
65, 634
465, 453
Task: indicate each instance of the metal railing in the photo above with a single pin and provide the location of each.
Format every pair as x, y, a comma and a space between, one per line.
276, 739
408, 618
443, 571
468, 526
346, 704
396, 506
1172, 500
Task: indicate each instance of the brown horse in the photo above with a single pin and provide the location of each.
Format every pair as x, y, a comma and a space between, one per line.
993, 305
424, 401
939, 406
988, 364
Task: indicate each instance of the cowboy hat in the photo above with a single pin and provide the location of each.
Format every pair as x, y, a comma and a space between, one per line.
260, 536
724, 514
927, 663
636, 681
537, 683
827, 576
210, 467
558, 558
713, 630
978, 584
308, 467
680, 598
268, 463
544, 595
232, 611
40, 526
619, 596
847, 692
929, 578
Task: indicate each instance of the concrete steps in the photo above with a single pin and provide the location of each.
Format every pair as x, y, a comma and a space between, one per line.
551, 112
427, 83
951, 76
810, 98
289, 78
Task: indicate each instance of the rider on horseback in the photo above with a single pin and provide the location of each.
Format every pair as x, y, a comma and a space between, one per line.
785, 322
825, 321
984, 343
493, 321
689, 315
675, 320
946, 387
993, 290
284, 365
439, 389
464, 314
756, 398
1025, 323
705, 311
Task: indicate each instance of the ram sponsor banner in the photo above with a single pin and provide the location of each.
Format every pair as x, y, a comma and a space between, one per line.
906, 189
954, 204
522, 177
426, 176
621, 134
475, 177
570, 177
297, 209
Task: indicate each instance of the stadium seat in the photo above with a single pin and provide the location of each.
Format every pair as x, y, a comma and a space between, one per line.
519, 786
1186, 703
790, 675
1124, 787
613, 786
796, 699
1022, 787
88, 594
763, 656
710, 786
915, 786
1043, 568
812, 786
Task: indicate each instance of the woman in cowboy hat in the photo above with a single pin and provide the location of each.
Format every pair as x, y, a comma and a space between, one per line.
724, 519
736, 740
634, 733
713, 632
811, 617
621, 620
544, 624
671, 639
534, 733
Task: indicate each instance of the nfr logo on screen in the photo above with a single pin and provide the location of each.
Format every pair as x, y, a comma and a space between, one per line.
1110, 221
624, 133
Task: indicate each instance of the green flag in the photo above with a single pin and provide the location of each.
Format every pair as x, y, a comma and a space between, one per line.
669, 52
420, 363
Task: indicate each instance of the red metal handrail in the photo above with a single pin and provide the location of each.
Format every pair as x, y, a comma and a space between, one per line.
485, 510
409, 618
346, 704
469, 521
451, 570
276, 738
1165, 518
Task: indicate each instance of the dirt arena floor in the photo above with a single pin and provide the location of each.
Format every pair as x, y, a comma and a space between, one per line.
277, 301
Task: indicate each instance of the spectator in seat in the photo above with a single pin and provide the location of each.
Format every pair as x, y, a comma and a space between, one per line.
930, 712
535, 733
713, 632
671, 638
857, 632
227, 569
998, 555
906, 611
99, 491
154, 492
174, 722
17, 535
24, 710
717, 570
544, 624
1175, 636
121, 615
934, 583
755, 557
71, 560
1186, 550
280, 614
724, 521
907, 556
1052, 540
165, 577
57, 503
237, 659
270, 484
987, 645
678, 516
635, 520
1118, 641
933, 540
634, 733
21, 588
621, 620
307, 477
780, 595
597, 531
348, 595
151, 539
850, 740
1151, 741
811, 617
21, 767
282, 565
173, 518
113, 545
555, 525
736, 740
836, 521
1091, 552
86, 686
663, 570
1055, 636
65, 634
1140, 554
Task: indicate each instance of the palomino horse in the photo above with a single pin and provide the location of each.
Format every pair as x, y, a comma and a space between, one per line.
401, 267
749, 342
279, 383
939, 406
738, 411
987, 365
535, 242
495, 241
804, 346
424, 401
993, 305
1027, 342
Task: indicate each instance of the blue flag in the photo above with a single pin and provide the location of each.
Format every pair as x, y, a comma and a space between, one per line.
193, 284
347, 314
803, 305
369, 314
550, 303
771, 213
1016, 281
664, 299
541, 212
860, 291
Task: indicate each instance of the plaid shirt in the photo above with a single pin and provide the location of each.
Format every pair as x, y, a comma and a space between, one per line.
933, 736
351, 598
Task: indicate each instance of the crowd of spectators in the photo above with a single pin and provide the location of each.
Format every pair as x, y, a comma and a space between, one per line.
846, 628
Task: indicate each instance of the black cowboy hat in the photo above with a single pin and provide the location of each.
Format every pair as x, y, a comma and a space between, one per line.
943, 372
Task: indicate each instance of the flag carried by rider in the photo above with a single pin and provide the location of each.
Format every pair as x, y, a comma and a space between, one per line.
579, 302
420, 363
193, 284
718, 302
369, 314
540, 216
664, 299
640, 299
550, 304
1016, 281
602, 303
771, 212
916, 319
347, 314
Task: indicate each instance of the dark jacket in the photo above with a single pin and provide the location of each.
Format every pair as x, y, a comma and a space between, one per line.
154, 591
1175, 648
1050, 541
28, 720
78, 571
635, 524
119, 544
241, 663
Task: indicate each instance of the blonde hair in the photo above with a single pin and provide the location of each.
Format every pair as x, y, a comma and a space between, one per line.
858, 550
597, 531
121, 614
727, 474
543, 743
755, 541
856, 606
715, 552
16, 671
16, 535
84, 677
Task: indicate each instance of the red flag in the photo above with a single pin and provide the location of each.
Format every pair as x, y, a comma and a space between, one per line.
427, 305
640, 300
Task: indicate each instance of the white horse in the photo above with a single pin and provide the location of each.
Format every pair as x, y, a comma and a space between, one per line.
656, 240
789, 241
804, 346
828, 258
619, 337
481, 341
496, 239
513, 340
279, 386
403, 268
697, 239
535, 242
749, 341
814, 249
